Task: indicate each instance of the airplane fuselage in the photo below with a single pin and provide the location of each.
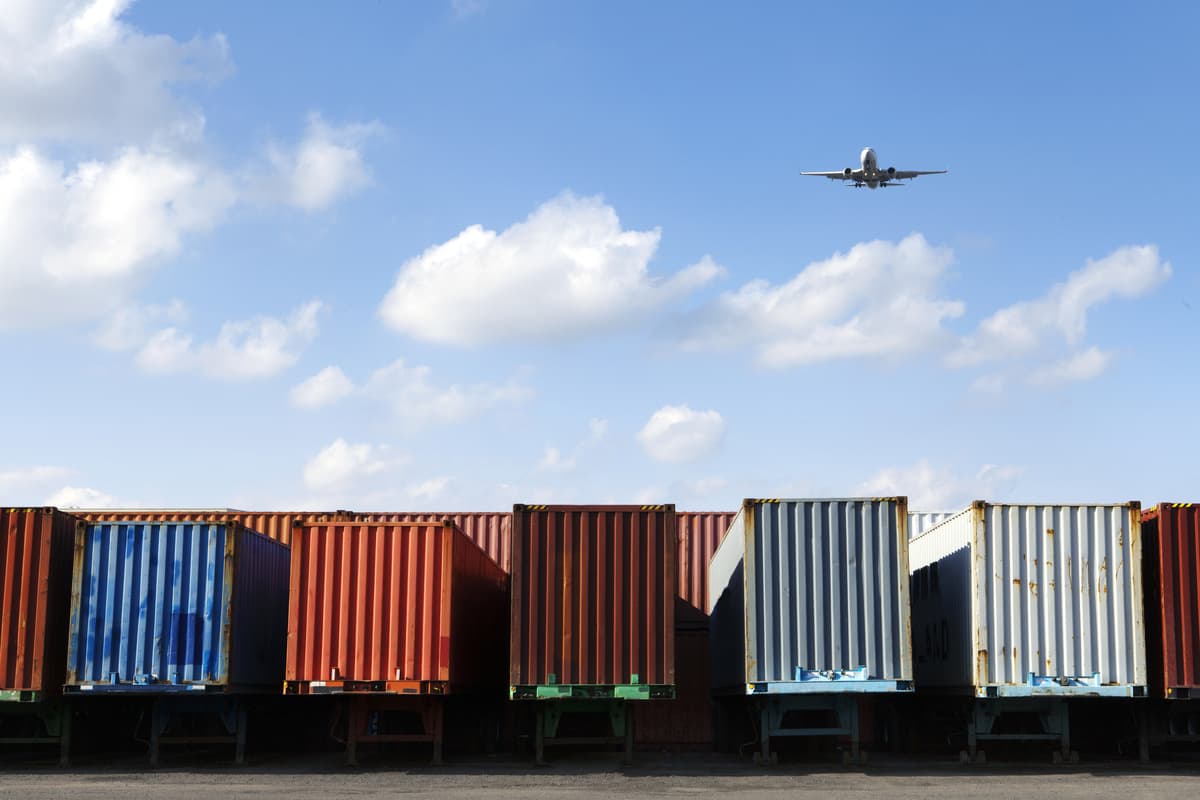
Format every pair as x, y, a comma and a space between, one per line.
870, 168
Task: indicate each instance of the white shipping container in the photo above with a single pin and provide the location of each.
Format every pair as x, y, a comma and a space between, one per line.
1031, 600
811, 596
921, 521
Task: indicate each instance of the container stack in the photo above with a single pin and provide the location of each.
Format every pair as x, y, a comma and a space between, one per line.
593, 618
36, 546
810, 614
188, 615
394, 617
1024, 607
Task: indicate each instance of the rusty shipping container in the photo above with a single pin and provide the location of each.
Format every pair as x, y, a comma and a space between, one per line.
275, 524
491, 530
36, 552
410, 607
162, 607
593, 600
700, 534
1031, 601
1171, 565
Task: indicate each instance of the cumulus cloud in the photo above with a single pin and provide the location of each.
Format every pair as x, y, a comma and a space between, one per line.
677, 434
567, 270
244, 350
81, 497
1061, 314
341, 464
75, 242
325, 388
417, 402
74, 71
129, 326
879, 299
325, 166
929, 488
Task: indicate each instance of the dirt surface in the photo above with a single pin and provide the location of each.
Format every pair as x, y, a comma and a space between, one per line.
668, 776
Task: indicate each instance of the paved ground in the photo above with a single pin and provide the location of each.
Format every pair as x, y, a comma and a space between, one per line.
679, 776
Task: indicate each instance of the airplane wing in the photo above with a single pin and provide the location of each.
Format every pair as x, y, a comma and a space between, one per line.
840, 175
908, 173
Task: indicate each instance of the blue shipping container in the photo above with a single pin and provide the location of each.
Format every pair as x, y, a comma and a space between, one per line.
177, 606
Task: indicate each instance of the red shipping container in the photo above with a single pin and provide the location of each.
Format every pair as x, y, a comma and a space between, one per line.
37, 550
700, 533
1171, 566
491, 530
275, 524
593, 596
416, 608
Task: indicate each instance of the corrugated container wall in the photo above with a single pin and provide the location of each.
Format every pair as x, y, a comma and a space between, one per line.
811, 585
1001, 592
921, 521
491, 530
1171, 560
700, 533
36, 550
274, 524
402, 602
593, 595
163, 604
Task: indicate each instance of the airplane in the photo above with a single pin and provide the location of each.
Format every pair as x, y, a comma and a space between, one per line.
871, 176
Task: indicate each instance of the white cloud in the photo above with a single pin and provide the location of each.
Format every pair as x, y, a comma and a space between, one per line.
74, 71
245, 350
325, 166
417, 402
676, 434
555, 461
74, 243
932, 489
341, 464
879, 299
430, 489
1025, 328
127, 328
567, 270
325, 388
81, 497
1082, 366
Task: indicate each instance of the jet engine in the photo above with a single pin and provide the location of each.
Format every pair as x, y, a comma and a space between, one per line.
891, 172
847, 171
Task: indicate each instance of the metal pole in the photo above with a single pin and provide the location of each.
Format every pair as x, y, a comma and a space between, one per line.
539, 736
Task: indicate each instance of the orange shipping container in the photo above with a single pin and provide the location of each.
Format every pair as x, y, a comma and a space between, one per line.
37, 547
491, 530
412, 607
593, 596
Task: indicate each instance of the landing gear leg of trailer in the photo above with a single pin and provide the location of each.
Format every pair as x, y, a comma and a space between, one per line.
1054, 719
229, 711
842, 708
549, 713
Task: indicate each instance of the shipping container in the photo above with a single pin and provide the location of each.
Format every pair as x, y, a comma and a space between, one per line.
36, 551
491, 530
1031, 600
412, 607
700, 533
921, 521
811, 596
161, 607
1171, 561
274, 524
686, 721
593, 601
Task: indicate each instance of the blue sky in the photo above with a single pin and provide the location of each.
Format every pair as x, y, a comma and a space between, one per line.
464, 254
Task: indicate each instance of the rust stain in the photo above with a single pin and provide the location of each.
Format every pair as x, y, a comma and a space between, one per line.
1049, 531
1033, 588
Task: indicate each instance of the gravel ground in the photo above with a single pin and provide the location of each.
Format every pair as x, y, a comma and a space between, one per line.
666, 776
